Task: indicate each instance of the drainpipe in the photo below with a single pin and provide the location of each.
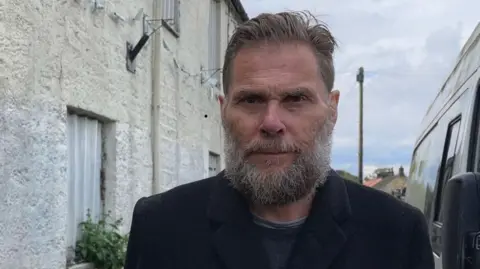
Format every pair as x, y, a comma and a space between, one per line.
157, 76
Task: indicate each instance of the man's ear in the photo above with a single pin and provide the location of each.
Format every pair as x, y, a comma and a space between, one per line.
221, 101
334, 98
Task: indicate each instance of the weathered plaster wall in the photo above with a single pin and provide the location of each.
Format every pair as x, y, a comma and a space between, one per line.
187, 135
55, 54
58, 54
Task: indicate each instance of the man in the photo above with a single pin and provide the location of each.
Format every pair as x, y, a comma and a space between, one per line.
277, 204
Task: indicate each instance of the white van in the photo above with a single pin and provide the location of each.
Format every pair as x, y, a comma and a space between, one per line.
448, 151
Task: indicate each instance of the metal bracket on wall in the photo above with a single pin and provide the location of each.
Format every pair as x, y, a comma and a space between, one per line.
97, 5
134, 50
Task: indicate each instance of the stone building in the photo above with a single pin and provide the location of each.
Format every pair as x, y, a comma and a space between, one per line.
392, 184
79, 130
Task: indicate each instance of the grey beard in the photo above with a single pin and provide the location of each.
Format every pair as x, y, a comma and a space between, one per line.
309, 171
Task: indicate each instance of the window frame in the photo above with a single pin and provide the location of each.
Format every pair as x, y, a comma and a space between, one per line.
214, 43
473, 163
171, 24
73, 234
216, 157
436, 223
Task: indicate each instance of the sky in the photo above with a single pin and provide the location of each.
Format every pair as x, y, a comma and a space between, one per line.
407, 48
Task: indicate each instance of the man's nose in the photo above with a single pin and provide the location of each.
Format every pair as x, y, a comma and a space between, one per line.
272, 124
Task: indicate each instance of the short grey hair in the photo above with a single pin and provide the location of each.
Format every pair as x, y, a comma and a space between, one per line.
284, 27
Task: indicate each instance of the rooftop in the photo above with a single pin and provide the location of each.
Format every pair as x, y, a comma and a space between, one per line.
237, 5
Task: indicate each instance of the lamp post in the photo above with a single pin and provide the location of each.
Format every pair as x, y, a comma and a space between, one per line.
360, 78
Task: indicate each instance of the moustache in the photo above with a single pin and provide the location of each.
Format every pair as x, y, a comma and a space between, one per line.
271, 147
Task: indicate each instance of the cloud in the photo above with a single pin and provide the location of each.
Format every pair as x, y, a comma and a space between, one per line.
407, 48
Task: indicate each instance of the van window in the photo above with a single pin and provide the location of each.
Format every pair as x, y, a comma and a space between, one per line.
448, 160
424, 170
475, 135
449, 150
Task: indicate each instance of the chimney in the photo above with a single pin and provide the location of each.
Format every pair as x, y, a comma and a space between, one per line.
401, 171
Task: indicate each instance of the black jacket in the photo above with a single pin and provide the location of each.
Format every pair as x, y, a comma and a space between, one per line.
207, 225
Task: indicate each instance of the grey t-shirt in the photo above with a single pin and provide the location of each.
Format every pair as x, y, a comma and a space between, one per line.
278, 239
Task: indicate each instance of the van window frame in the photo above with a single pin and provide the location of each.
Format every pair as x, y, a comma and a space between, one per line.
473, 162
443, 178
436, 222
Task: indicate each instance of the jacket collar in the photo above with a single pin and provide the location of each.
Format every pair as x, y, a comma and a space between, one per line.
321, 239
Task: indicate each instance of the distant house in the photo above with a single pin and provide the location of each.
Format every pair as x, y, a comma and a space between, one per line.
392, 184
384, 172
372, 182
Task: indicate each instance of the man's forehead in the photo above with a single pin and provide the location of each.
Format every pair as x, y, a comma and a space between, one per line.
279, 55
286, 70
278, 87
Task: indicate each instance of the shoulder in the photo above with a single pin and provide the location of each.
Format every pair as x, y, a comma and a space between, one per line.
190, 196
371, 205
160, 217
383, 219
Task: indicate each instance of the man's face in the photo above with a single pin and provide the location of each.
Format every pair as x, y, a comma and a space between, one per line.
278, 119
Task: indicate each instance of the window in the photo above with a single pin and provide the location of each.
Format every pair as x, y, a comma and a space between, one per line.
447, 165
445, 172
213, 164
474, 151
170, 14
424, 169
85, 162
214, 40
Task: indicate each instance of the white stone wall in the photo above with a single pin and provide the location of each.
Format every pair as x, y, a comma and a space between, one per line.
54, 55
58, 54
187, 135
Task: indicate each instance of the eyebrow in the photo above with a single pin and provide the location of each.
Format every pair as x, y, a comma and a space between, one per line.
264, 94
297, 92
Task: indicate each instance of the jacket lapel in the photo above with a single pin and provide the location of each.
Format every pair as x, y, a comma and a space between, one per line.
322, 238
326, 230
235, 235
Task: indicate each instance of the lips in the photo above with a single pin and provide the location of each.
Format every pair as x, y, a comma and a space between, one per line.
273, 150
269, 153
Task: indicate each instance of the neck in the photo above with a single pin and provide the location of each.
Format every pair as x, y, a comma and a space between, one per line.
289, 212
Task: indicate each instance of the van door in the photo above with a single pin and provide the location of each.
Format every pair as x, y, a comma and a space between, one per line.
450, 132
455, 123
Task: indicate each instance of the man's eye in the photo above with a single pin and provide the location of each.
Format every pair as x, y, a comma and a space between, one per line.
251, 100
296, 98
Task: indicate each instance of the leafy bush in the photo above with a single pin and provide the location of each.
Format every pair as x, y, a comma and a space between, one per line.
346, 175
101, 243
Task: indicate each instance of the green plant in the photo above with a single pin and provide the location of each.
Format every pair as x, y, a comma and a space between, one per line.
346, 175
101, 243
